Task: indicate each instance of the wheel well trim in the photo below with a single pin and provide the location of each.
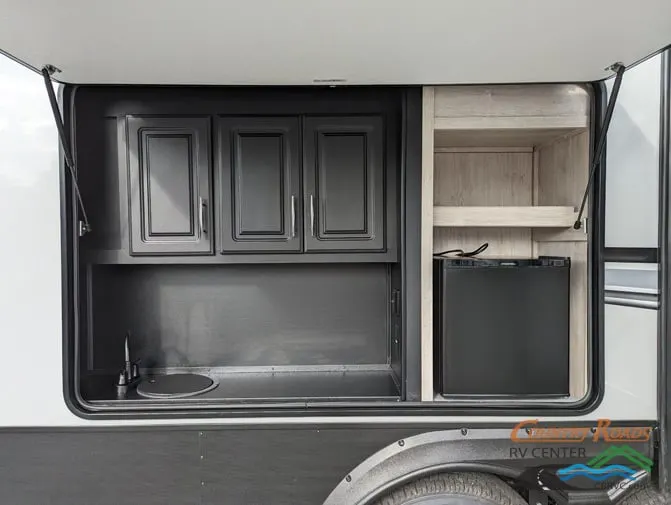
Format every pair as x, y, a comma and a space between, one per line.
489, 468
405, 460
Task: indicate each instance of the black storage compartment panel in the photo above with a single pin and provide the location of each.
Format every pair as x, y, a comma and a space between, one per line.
502, 327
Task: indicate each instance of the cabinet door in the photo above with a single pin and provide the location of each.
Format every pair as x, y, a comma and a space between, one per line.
260, 184
169, 176
344, 184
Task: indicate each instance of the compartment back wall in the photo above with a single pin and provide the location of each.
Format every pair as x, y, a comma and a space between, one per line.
238, 315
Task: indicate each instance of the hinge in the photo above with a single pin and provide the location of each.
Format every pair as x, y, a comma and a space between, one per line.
84, 228
396, 302
51, 69
581, 225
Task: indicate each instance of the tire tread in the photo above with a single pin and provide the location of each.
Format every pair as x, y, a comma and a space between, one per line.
488, 488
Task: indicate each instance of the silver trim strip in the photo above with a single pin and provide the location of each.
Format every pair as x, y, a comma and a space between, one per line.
640, 303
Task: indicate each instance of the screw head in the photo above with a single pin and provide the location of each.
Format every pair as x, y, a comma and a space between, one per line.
401, 443
348, 478
464, 431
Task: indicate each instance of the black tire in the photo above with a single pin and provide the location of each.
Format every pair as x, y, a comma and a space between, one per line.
647, 496
454, 489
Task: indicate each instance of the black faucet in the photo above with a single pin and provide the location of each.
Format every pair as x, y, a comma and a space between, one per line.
130, 373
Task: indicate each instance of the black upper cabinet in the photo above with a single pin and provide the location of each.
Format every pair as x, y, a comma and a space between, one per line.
344, 178
243, 176
260, 200
169, 185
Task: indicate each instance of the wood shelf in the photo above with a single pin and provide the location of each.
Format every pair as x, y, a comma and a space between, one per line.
458, 133
501, 116
531, 123
513, 217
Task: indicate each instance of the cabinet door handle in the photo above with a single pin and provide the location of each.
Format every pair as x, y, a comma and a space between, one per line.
312, 215
202, 219
293, 216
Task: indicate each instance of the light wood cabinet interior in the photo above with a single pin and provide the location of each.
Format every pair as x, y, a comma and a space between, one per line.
507, 165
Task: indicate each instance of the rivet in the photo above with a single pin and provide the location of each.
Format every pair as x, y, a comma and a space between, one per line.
464, 431
401, 443
348, 478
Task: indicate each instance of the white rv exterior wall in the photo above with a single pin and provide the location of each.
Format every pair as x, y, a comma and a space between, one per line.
31, 376
632, 183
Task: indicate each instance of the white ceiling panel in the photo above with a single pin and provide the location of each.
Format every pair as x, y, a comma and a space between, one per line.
357, 41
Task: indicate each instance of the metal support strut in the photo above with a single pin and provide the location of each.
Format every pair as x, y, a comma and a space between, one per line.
619, 69
47, 72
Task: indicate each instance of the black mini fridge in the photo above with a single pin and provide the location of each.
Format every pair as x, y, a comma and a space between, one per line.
501, 327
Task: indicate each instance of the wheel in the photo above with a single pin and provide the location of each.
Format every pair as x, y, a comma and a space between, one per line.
454, 489
646, 496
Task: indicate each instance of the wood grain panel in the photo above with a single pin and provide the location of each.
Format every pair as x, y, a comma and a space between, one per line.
487, 136
542, 100
559, 235
524, 115
514, 217
563, 170
426, 259
483, 179
503, 242
484, 149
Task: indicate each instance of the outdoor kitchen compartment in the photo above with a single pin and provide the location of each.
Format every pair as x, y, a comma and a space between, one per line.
245, 240
263, 333
259, 238
502, 326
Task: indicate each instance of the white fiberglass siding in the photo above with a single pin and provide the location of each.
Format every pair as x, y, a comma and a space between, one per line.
632, 176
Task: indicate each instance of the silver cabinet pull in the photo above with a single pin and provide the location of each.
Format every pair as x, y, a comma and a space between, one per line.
293, 216
202, 209
312, 215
